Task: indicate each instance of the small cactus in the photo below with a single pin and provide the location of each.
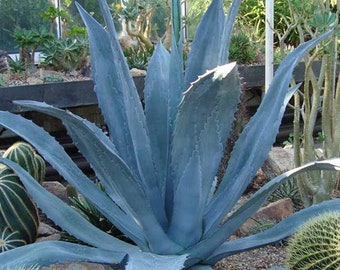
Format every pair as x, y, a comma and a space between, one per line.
24, 154
19, 217
18, 214
9, 239
87, 210
316, 245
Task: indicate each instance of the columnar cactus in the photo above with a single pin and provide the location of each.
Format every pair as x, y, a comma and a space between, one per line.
316, 244
18, 214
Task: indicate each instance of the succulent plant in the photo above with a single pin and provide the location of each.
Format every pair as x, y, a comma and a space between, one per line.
25, 155
159, 164
19, 218
316, 244
89, 211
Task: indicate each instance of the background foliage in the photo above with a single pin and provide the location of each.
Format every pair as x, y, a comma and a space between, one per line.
19, 14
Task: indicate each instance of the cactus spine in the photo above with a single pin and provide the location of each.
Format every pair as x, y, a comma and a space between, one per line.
316, 245
19, 218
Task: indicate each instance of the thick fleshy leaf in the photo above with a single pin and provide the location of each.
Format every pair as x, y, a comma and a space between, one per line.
54, 153
65, 216
148, 261
176, 19
156, 98
176, 93
176, 76
254, 143
118, 178
121, 105
51, 252
201, 130
212, 242
210, 48
282, 230
112, 84
186, 224
228, 29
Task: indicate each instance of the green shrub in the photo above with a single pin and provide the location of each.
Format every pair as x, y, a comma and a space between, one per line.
288, 189
52, 78
138, 57
241, 49
28, 41
65, 54
2, 80
16, 66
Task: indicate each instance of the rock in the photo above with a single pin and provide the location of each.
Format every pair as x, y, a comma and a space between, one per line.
33, 80
279, 160
276, 211
57, 189
47, 233
45, 229
127, 42
4, 66
272, 213
137, 72
74, 73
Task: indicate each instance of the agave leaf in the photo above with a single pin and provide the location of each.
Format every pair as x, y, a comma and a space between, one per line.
111, 84
186, 223
148, 261
255, 202
208, 49
156, 97
176, 81
280, 231
175, 95
53, 153
176, 20
254, 143
51, 252
202, 126
228, 29
206, 245
121, 106
65, 216
69, 219
100, 152
118, 179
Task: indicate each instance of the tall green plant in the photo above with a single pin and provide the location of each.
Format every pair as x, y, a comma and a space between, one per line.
137, 19
320, 95
66, 54
158, 165
29, 41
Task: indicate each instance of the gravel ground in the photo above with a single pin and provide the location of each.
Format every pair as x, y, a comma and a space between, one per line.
261, 258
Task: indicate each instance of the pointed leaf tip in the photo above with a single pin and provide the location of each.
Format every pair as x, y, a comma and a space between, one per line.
222, 71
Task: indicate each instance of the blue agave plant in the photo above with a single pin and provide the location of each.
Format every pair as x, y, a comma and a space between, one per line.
159, 164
